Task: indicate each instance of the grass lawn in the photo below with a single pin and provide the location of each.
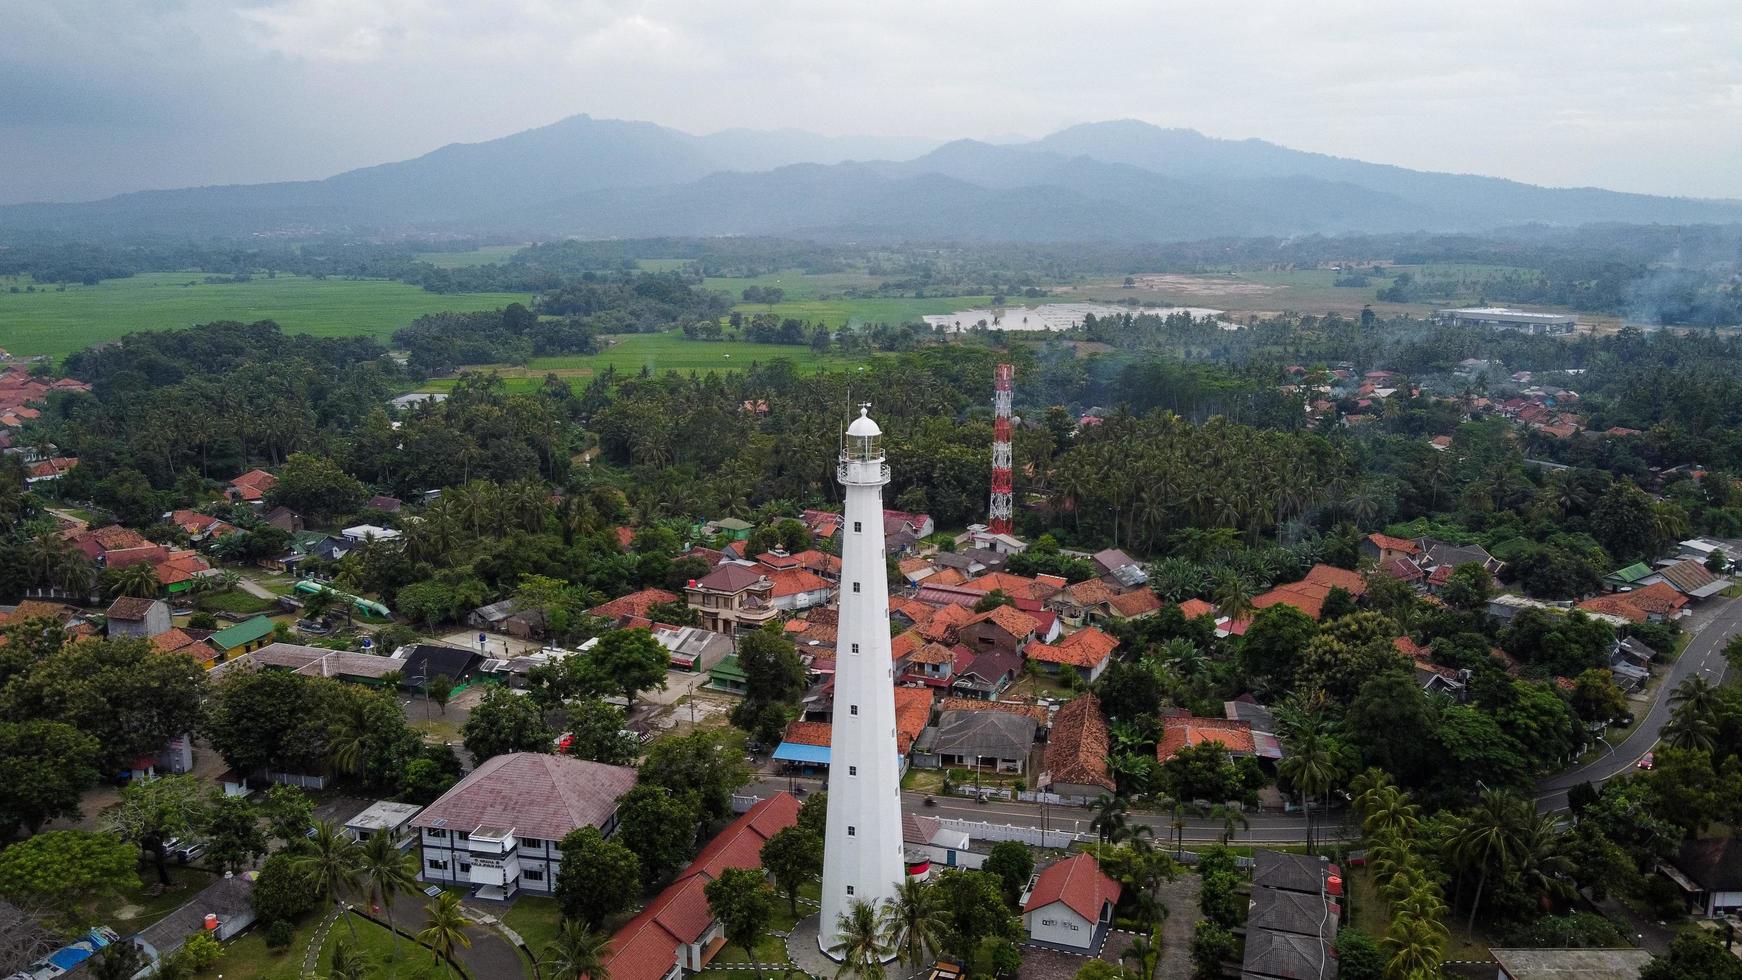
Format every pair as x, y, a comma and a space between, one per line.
794, 283
50, 321
234, 601
657, 353
376, 942
247, 958
535, 919
769, 949
134, 909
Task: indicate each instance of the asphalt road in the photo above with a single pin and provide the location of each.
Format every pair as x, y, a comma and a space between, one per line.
1265, 828
1719, 620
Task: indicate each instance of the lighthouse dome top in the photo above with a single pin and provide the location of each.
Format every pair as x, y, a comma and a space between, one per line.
863, 426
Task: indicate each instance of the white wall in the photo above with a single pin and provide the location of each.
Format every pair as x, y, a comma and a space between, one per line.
1056, 923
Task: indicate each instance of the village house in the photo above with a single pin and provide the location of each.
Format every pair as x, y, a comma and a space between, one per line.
926, 843
676, 934
1069, 904
497, 831
1088, 651
805, 746
732, 599
199, 527
133, 617
692, 648
251, 487
244, 637
1076, 752
999, 628
1236, 736
384, 817
632, 609
990, 741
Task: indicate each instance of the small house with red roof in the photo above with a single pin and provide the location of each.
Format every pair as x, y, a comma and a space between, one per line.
252, 487
1088, 651
999, 628
677, 932
1070, 904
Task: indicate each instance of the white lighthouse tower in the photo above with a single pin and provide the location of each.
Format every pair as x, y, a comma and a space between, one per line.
862, 852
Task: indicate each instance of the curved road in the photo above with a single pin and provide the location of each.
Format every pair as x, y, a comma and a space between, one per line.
1719, 620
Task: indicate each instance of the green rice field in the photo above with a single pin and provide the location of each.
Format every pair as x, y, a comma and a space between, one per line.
658, 352
57, 323
486, 255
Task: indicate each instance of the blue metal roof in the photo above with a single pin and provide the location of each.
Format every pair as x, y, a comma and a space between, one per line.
809, 754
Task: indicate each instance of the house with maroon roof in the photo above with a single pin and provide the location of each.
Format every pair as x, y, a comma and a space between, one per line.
1070, 904
733, 598
677, 933
497, 830
1076, 752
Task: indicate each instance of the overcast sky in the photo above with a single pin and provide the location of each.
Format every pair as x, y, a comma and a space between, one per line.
101, 96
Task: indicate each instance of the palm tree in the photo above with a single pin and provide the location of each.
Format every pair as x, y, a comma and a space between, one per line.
1697, 696
1232, 595
914, 920
1145, 953
1540, 858
577, 952
861, 946
330, 861
349, 962
1311, 767
1487, 839
1231, 816
1687, 730
384, 872
1416, 949
445, 927
1110, 819
348, 749
138, 580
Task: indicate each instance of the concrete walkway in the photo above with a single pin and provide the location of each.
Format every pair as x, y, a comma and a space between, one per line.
489, 957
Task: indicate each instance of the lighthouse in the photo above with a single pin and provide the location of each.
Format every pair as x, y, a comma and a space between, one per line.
862, 849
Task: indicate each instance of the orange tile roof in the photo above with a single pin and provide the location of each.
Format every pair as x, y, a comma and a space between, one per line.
942, 625
1656, 599
1178, 733
172, 640
1076, 752
1332, 577
794, 581
1077, 882
1090, 593
1009, 619
1087, 648
1014, 586
946, 576
1138, 602
1305, 596
912, 712
1193, 608
1389, 543
932, 653
904, 644
807, 733
633, 604
1035, 711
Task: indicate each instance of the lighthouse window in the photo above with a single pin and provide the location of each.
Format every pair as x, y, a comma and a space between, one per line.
853, 709
855, 648
852, 831
855, 587
857, 527
852, 770
849, 889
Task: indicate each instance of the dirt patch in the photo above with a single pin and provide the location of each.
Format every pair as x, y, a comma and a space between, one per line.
1202, 285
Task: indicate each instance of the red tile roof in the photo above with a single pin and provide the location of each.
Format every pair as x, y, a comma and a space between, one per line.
1332, 577
1138, 602
1178, 733
1087, 648
646, 947
1009, 619
942, 626
1386, 542
633, 604
1078, 883
912, 712
1076, 752
794, 581
1193, 608
1035, 711
1014, 586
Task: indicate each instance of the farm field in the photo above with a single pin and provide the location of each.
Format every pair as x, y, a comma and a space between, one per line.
804, 299
658, 353
478, 256
57, 323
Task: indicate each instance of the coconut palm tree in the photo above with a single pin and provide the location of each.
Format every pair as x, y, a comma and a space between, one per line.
445, 927
330, 861
349, 962
1231, 816
1416, 949
1698, 696
1487, 839
1687, 730
138, 580
1540, 858
576, 952
861, 947
914, 920
384, 872
1111, 819
348, 749
1312, 768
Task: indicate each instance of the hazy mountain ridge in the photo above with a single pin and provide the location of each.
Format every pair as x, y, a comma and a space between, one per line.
1120, 180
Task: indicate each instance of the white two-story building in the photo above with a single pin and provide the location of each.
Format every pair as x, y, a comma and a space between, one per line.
498, 830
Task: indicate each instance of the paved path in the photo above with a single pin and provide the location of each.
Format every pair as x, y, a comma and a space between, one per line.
255, 589
311, 960
491, 956
1704, 657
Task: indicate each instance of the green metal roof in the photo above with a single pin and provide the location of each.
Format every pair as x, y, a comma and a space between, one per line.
1632, 573
733, 524
728, 669
243, 633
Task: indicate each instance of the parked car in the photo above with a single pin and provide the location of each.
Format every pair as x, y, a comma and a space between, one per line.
190, 852
1647, 761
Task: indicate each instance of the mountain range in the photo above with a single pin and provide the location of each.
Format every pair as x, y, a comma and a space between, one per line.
1107, 181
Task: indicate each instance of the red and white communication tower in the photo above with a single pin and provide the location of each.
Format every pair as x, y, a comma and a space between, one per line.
1000, 511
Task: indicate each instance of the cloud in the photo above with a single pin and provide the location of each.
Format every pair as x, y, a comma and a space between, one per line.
1554, 91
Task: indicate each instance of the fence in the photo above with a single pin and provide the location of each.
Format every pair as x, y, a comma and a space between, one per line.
1032, 836
297, 779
